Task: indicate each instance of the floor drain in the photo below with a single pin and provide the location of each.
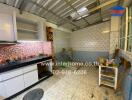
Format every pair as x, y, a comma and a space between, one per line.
35, 94
92, 95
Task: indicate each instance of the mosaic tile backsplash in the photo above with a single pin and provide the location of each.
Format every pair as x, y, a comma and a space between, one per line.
24, 50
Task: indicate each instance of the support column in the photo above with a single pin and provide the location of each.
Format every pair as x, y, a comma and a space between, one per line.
114, 34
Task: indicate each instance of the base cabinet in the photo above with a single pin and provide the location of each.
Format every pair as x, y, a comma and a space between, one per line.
14, 85
30, 78
14, 81
2, 90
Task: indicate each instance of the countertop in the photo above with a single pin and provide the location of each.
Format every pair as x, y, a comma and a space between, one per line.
23, 63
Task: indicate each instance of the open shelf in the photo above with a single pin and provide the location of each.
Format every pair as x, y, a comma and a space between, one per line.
107, 84
108, 76
108, 79
44, 74
26, 30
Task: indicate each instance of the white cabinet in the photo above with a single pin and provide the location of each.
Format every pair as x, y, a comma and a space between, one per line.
10, 82
29, 68
30, 75
7, 30
11, 74
2, 90
30, 78
29, 30
14, 85
7, 23
0, 78
14, 81
27, 27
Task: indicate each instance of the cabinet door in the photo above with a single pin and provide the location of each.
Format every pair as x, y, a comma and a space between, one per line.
10, 74
6, 27
30, 68
2, 90
0, 78
50, 66
30, 78
14, 85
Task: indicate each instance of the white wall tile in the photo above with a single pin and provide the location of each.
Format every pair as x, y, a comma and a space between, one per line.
114, 34
61, 40
91, 38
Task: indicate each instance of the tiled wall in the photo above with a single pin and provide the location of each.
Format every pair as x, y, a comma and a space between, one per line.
61, 40
91, 38
91, 42
114, 34
114, 41
25, 49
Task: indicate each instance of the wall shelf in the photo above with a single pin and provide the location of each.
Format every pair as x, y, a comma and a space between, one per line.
26, 30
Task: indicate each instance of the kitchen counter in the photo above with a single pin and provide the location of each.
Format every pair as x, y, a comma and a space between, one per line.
23, 63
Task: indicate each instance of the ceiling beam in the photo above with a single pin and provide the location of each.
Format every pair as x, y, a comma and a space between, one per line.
68, 3
102, 5
98, 3
44, 5
50, 8
16, 2
66, 13
23, 5
69, 21
98, 7
67, 8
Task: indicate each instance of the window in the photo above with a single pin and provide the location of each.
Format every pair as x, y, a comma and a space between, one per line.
122, 43
129, 37
129, 44
130, 21
126, 30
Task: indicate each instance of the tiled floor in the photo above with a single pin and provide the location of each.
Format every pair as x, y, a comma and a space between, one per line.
75, 87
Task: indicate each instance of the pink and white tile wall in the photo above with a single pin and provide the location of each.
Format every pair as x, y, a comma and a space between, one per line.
25, 49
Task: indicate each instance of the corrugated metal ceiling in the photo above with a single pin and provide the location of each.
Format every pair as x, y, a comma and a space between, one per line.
59, 11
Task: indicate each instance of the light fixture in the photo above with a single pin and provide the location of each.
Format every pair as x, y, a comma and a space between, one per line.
81, 12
